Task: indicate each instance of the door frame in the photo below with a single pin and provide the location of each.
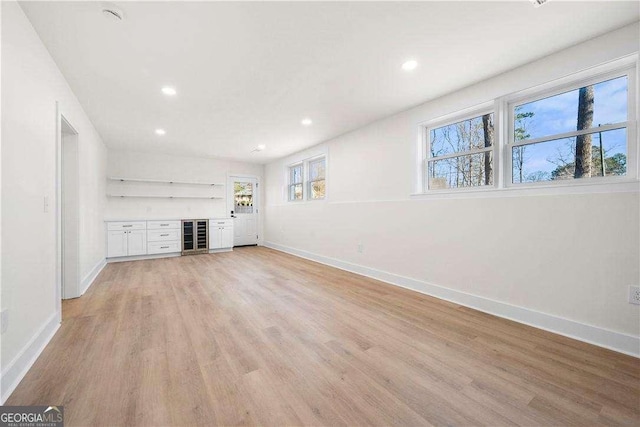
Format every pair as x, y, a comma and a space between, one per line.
62, 117
257, 200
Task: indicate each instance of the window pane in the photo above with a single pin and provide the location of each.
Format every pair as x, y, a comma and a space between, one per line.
606, 102
295, 174
243, 196
556, 160
317, 189
464, 171
295, 192
462, 136
316, 169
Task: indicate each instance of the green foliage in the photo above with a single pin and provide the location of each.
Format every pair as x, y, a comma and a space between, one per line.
614, 165
520, 132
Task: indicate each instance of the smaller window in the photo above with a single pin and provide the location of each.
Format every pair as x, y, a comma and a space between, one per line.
460, 154
296, 182
317, 182
243, 195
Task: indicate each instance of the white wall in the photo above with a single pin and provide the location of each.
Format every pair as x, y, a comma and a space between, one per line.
31, 85
514, 253
127, 164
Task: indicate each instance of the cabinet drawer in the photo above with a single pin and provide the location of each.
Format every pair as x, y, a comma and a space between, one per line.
220, 223
163, 225
120, 225
163, 235
162, 247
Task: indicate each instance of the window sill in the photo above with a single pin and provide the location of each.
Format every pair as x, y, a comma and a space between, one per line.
622, 186
304, 202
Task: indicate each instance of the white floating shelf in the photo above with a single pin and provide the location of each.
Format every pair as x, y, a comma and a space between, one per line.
160, 181
151, 196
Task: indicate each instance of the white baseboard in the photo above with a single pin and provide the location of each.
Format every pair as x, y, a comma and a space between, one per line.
13, 373
617, 341
89, 278
217, 251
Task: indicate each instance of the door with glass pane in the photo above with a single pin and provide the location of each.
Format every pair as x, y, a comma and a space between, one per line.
243, 199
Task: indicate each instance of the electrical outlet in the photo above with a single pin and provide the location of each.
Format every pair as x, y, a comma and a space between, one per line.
634, 295
46, 204
4, 321
360, 248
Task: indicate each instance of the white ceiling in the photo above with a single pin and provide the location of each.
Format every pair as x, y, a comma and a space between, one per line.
247, 73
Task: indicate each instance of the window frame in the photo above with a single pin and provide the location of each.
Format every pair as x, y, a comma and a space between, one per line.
306, 182
310, 182
575, 83
503, 108
290, 182
467, 114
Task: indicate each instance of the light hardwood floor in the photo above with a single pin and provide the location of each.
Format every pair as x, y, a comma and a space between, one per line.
260, 337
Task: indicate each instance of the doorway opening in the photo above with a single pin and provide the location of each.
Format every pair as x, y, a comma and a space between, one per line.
243, 199
69, 211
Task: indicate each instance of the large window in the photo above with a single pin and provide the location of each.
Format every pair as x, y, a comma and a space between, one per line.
576, 134
307, 180
580, 130
460, 154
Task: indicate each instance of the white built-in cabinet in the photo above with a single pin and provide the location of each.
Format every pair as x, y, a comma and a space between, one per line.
126, 239
161, 237
116, 244
221, 233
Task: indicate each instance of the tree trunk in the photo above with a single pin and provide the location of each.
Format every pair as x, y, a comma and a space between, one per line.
583, 142
487, 126
520, 151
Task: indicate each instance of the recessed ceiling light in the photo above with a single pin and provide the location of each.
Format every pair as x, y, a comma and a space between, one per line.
261, 147
410, 65
169, 91
160, 132
306, 122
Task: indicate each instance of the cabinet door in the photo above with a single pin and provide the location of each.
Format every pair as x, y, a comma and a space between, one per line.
137, 242
227, 237
117, 243
215, 238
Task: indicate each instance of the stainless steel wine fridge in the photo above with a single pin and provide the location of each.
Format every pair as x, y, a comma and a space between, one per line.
195, 236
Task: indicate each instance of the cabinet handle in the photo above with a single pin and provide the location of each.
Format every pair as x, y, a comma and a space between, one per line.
125, 226
164, 225
164, 247
163, 235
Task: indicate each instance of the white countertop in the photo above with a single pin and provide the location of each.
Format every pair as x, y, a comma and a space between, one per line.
162, 219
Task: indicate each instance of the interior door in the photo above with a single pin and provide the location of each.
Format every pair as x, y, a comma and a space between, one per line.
243, 199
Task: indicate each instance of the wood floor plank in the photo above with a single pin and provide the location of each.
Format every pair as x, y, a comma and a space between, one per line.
259, 337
